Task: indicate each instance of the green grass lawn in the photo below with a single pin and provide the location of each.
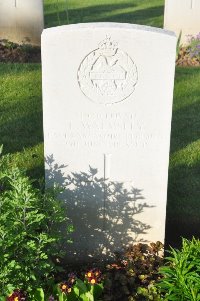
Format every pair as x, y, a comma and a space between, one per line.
21, 109
21, 115
148, 12
184, 170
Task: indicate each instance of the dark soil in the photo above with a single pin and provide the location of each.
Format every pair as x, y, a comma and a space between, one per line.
14, 53
184, 59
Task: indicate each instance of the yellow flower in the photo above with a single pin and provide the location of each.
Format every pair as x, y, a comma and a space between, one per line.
89, 274
64, 286
93, 281
69, 290
16, 299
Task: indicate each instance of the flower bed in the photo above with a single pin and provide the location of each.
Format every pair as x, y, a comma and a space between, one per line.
14, 53
185, 59
190, 54
140, 275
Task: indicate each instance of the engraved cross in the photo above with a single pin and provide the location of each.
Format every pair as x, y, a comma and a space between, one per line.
107, 167
106, 176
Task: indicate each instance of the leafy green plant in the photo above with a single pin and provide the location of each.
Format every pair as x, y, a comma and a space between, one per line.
74, 289
30, 237
8, 44
151, 292
181, 273
135, 275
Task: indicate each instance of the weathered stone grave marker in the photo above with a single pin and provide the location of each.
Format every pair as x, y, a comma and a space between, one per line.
182, 16
21, 21
107, 102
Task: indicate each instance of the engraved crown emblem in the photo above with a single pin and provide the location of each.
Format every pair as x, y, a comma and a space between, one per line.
107, 75
108, 47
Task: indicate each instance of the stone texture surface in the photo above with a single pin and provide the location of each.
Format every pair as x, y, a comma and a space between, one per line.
21, 21
182, 15
107, 103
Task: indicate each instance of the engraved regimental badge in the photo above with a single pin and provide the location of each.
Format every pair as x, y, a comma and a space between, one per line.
107, 75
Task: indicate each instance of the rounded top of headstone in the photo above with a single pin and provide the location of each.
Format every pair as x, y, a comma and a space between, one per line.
126, 26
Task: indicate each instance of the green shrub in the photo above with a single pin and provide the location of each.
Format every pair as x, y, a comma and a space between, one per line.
181, 280
135, 275
30, 237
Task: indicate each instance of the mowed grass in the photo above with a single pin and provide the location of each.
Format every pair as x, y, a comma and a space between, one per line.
21, 110
21, 115
147, 12
183, 210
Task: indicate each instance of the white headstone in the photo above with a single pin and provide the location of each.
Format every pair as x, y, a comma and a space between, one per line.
21, 21
182, 16
107, 102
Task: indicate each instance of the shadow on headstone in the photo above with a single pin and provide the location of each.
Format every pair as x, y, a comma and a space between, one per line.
104, 213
